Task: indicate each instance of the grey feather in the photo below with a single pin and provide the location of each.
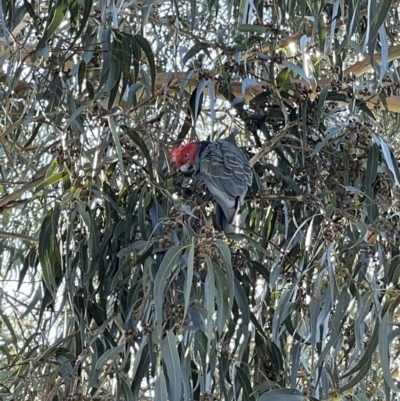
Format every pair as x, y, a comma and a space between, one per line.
225, 170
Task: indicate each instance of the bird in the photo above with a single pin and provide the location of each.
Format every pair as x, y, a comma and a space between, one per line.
225, 171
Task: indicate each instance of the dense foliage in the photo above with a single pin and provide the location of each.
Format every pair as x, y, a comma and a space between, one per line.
114, 283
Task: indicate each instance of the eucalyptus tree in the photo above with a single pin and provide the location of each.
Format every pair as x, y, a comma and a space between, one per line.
114, 283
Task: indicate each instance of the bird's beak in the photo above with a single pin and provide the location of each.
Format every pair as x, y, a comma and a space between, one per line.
186, 168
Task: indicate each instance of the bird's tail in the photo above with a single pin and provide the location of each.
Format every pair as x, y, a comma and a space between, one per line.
222, 221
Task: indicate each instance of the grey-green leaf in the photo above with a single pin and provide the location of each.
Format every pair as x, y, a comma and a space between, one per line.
172, 363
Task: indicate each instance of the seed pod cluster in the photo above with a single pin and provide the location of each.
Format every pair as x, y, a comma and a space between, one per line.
390, 87
170, 225
95, 61
80, 236
100, 111
147, 329
79, 291
81, 397
357, 134
174, 311
122, 287
174, 222
138, 173
332, 231
266, 364
342, 272
384, 185
239, 262
78, 397
175, 315
203, 247
165, 241
235, 67
130, 148
335, 186
85, 194
130, 336
388, 225
356, 169
301, 92
206, 396
308, 389
312, 108
278, 210
60, 154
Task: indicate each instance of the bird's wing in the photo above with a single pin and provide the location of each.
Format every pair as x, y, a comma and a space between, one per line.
224, 167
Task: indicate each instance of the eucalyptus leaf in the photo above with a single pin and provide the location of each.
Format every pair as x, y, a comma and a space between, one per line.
173, 367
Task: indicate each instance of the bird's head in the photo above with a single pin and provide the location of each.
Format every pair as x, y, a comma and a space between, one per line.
185, 156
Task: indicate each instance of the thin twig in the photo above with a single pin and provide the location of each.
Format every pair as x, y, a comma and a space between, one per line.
269, 145
23, 237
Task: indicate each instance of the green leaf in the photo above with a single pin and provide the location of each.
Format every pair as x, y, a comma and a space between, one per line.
73, 13
126, 390
384, 52
194, 109
6, 321
357, 232
390, 161
172, 363
283, 78
321, 103
282, 394
194, 50
147, 6
321, 33
222, 295
118, 147
142, 214
160, 391
114, 75
47, 249
360, 397
377, 19
370, 177
189, 279
140, 368
87, 9
372, 166
136, 137
112, 354
167, 265
30, 10
56, 17
364, 107
385, 328
131, 98
81, 74
251, 242
51, 180
210, 294
296, 69
193, 13
329, 134
145, 45
243, 377
74, 116
226, 258
252, 28
368, 354
362, 373
52, 350
244, 12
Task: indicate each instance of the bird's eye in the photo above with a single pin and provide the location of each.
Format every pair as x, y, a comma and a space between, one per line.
186, 156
